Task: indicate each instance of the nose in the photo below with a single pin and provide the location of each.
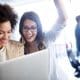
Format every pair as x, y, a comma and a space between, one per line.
29, 32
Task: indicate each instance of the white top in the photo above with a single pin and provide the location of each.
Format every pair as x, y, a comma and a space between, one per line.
2, 54
50, 37
56, 71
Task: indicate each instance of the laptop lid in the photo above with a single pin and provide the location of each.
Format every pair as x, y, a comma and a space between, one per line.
29, 67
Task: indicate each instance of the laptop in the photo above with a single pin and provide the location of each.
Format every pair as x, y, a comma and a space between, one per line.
34, 66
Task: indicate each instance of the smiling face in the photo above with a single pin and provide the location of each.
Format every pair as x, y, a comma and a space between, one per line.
29, 30
5, 33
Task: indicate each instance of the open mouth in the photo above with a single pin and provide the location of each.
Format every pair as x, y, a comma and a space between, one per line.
28, 37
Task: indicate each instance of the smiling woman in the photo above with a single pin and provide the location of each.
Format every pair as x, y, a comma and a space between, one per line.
8, 49
5, 32
30, 28
40, 7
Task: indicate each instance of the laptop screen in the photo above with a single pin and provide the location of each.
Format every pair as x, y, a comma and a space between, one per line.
29, 67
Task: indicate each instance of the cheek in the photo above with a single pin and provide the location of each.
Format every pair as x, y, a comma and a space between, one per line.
35, 33
7, 36
1, 36
24, 34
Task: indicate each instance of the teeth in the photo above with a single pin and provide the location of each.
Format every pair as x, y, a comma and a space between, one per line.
29, 38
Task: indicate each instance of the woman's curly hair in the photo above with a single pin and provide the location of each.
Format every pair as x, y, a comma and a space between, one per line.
7, 14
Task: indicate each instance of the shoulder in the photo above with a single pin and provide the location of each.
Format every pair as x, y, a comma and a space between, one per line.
14, 49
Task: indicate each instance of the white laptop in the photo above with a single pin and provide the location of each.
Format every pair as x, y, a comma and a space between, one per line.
29, 67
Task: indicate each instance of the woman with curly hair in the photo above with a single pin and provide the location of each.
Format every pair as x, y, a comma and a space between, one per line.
8, 49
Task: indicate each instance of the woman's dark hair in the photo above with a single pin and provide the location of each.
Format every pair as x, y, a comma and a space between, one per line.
78, 18
34, 17
7, 14
77, 34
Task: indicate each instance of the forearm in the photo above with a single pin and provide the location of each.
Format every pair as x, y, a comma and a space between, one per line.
60, 23
62, 15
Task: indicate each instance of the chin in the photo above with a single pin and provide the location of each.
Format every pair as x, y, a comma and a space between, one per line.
30, 41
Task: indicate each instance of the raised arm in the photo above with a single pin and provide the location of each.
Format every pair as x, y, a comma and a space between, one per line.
60, 22
62, 16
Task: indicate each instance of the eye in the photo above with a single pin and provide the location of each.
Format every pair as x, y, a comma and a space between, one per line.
1, 33
25, 27
33, 27
9, 31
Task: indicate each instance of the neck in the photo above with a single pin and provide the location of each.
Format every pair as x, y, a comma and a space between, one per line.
31, 47
1, 47
32, 43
